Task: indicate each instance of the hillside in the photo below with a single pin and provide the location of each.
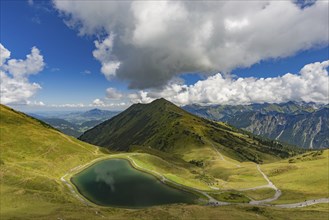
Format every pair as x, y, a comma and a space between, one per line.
301, 124
301, 177
35, 157
163, 126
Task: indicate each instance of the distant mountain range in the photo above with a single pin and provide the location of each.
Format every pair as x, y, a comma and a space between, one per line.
302, 124
75, 123
162, 126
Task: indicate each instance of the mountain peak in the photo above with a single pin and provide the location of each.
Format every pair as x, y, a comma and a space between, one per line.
94, 110
165, 105
161, 101
165, 127
160, 104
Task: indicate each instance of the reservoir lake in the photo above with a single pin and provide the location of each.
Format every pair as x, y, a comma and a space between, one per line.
114, 182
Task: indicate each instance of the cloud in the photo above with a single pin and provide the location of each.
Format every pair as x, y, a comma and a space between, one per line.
36, 20
30, 2
16, 91
310, 85
112, 93
55, 69
105, 103
15, 85
95, 103
68, 105
35, 103
98, 102
5, 54
145, 97
33, 64
103, 53
86, 72
147, 43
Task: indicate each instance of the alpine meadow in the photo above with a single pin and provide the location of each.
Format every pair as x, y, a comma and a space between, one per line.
164, 110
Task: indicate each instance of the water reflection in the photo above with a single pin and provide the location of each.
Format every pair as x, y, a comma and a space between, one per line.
104, 175
115, 182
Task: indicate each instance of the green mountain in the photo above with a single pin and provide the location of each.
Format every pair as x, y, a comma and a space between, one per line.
302, 124
163, 126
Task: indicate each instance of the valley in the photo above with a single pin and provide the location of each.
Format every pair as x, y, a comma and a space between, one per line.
38, 163
76, 122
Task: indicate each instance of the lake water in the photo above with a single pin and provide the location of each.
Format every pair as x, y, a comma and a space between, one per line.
114, 182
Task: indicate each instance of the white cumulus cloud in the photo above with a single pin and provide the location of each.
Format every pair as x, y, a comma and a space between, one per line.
98, 102
14, 74
105, 103
35, 103
112, 93
148, 43
309, 85
5, 54
68, 105
103, 53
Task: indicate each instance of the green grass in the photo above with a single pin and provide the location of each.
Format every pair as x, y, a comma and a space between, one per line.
233, 177
235, 197
170, 170
259, 194
214, 173
34, 156
306, 178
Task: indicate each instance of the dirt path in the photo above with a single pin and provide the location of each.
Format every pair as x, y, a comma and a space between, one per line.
222, 157
73, 191
215, 202
269, 185
95, 152
303, 204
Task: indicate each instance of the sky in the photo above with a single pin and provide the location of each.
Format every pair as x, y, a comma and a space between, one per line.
69, 55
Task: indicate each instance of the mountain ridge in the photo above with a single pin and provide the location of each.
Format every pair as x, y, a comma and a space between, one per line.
164, 126
301, 124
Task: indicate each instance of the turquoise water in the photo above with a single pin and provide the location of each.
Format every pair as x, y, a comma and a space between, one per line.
115, 182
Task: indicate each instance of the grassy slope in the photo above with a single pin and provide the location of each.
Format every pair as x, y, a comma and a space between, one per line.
304, 177
215, 172
34, 157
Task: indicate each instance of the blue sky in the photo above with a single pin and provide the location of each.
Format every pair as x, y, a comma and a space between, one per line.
73, 75
67, 56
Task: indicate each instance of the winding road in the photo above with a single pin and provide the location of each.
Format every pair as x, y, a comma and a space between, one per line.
303, 204
269, 185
